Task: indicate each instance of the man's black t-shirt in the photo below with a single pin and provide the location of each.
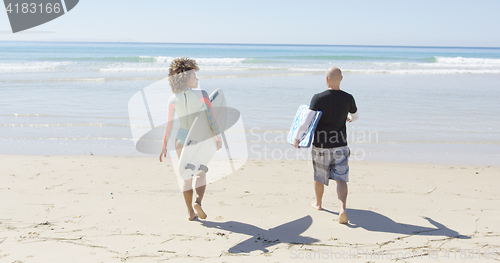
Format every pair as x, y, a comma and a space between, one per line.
331, 129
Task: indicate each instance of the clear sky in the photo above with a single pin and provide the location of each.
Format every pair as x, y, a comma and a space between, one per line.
349, 22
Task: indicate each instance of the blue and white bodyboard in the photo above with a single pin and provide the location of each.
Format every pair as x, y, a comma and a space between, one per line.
303, 126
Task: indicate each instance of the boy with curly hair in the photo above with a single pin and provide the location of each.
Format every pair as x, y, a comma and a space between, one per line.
187, 102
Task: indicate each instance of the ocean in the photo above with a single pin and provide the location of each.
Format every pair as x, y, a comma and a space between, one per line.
416, 104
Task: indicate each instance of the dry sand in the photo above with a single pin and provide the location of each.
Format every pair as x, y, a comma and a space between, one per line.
130, 209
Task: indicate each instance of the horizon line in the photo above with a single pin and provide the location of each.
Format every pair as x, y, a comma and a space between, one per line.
254, 44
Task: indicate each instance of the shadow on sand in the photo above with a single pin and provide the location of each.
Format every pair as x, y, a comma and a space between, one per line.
291, 232
261, 238
376, 222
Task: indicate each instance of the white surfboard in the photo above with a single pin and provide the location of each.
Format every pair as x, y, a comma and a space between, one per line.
303, 126
200, 145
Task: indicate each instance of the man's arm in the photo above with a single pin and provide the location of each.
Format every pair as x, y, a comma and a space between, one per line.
353, 112
352, 117
312, 106
303, 127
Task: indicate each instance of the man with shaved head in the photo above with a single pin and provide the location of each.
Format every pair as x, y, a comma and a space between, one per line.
330, 152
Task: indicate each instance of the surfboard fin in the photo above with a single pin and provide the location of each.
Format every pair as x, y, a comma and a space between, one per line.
190, 166
203, 168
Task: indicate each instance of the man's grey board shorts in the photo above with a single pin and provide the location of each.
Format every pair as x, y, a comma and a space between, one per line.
330, 163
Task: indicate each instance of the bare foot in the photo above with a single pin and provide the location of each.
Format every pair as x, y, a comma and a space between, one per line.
192, 215
200, 211
343, 218
316, 206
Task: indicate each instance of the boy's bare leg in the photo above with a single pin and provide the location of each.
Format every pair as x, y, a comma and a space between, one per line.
319, 188
188, 194
188, 198
201, 184
342, 196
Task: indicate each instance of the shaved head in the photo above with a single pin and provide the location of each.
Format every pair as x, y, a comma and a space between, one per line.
333, 77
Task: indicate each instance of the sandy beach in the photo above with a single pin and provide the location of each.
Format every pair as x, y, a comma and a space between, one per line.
130, 209
91, 91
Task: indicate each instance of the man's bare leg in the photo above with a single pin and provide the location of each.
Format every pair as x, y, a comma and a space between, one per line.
201, 184
319, 188
342, 196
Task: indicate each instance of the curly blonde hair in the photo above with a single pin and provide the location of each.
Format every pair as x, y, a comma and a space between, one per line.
179, 72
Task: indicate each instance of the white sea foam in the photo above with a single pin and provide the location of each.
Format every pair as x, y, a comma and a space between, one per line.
422, 71
219, 61
133, 68
468, 61
209, 64
32, 66
63, 125
441, 65
36, 115
159, 59
200, 61
65, 138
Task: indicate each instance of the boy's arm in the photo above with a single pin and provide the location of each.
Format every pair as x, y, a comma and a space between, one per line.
211, 118
168, 128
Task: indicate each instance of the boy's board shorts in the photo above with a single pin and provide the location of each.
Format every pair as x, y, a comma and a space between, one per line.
330, 163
